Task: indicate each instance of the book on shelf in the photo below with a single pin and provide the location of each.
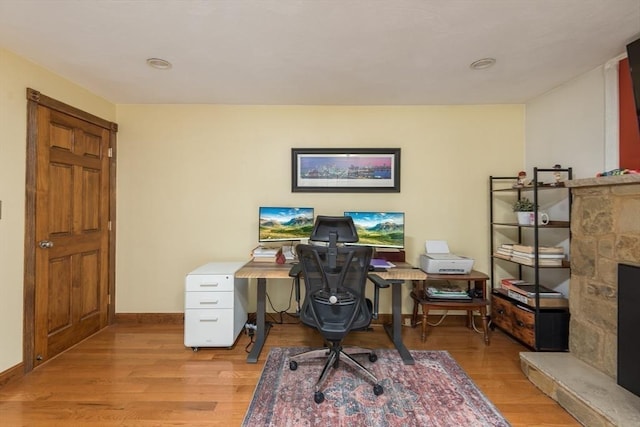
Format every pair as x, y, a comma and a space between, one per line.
540, 255
264, 259
262, 251
541, 249
447, 294
531, 302
542, 262
501, 255
504, 251
529, 289
262, 254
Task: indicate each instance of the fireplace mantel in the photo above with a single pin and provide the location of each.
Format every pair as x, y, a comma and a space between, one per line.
604, 180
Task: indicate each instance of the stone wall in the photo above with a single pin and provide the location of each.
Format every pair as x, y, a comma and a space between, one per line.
605, 228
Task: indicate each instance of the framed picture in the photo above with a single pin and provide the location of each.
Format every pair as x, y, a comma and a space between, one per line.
346, 170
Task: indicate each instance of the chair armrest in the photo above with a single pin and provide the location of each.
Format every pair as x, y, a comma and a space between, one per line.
378, 281
295, 270
296, 273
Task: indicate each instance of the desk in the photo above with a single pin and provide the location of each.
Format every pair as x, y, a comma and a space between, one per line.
262, 271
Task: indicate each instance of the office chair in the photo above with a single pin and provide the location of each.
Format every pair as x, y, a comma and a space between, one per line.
335, 279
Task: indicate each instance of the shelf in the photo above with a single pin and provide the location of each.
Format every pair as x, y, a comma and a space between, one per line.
528, 188
551, 224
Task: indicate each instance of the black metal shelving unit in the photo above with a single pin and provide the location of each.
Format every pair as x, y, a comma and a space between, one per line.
538, 326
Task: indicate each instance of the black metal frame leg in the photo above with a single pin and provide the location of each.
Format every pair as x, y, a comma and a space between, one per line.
395, 329
261, 324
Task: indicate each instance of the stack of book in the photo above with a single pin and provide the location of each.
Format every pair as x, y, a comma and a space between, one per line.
525, 292
548, 256
262, 254
447, 294
504, 251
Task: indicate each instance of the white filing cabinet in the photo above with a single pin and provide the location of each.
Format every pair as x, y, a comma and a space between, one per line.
215, 305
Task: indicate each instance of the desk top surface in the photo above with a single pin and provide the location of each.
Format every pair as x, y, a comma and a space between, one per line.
269, 270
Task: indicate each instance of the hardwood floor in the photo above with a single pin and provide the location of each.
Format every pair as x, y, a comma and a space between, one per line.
142, 375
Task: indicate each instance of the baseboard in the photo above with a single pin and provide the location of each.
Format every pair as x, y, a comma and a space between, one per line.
11, 374
178, 318
155, 318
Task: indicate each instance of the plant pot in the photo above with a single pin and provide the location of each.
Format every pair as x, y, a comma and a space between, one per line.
524, 218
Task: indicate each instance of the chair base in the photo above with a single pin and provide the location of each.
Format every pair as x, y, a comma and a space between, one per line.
334, 353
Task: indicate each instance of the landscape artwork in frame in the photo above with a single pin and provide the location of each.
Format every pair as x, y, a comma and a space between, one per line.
355, 170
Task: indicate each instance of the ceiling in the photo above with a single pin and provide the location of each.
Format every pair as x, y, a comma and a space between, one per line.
319, 52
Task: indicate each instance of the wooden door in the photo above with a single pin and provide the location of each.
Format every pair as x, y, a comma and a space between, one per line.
71, 236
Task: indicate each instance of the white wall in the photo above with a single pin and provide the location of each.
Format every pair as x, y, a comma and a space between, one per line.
16, 75
191, 179
567, 126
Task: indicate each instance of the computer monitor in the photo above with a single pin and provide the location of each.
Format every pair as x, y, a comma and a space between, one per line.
277, 223
379, 229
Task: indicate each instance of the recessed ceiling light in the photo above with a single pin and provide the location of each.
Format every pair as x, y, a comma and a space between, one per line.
482, 64
158, 63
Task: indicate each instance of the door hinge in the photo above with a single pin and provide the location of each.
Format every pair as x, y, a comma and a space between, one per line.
109, 299
110, 152
109, 225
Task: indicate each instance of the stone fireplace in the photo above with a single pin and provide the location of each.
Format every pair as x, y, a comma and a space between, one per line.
605, 232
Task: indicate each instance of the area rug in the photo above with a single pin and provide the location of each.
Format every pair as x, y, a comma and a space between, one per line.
434, 392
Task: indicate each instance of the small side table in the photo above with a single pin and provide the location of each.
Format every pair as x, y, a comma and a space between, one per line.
480, 303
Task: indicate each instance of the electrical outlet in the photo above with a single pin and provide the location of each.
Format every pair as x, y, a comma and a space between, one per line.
407, 321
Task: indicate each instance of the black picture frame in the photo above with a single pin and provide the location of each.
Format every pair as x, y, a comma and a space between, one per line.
345, 170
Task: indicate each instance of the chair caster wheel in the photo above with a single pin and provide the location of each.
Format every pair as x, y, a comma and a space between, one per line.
373, 357
194, 349
293, 365
378, 390
318, 397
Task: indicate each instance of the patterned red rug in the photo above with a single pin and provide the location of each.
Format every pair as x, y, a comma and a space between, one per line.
433, 392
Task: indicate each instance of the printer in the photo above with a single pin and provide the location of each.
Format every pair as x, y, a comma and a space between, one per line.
438, 259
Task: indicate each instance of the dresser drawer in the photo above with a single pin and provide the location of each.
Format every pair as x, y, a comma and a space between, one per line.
501, 313
208, 300
524, 325
209, 282
209, 328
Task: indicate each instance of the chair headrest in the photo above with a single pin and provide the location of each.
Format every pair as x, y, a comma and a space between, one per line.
341, 228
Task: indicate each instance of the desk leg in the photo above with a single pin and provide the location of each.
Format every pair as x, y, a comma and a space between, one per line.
261, 332
395, 329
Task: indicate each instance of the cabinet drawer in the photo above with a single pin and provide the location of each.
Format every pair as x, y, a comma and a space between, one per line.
501, 313
208, 328
524, 325
208, 300
209, 282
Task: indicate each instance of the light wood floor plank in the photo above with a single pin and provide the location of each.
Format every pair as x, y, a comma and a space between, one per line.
142, 375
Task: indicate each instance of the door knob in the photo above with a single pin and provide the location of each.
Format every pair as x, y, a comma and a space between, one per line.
45, 244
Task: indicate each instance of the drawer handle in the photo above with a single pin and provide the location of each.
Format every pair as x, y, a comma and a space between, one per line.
209, 302
209, 319
520, 323
500, 311
209, 285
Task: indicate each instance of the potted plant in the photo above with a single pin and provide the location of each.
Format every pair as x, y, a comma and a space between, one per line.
524, 208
